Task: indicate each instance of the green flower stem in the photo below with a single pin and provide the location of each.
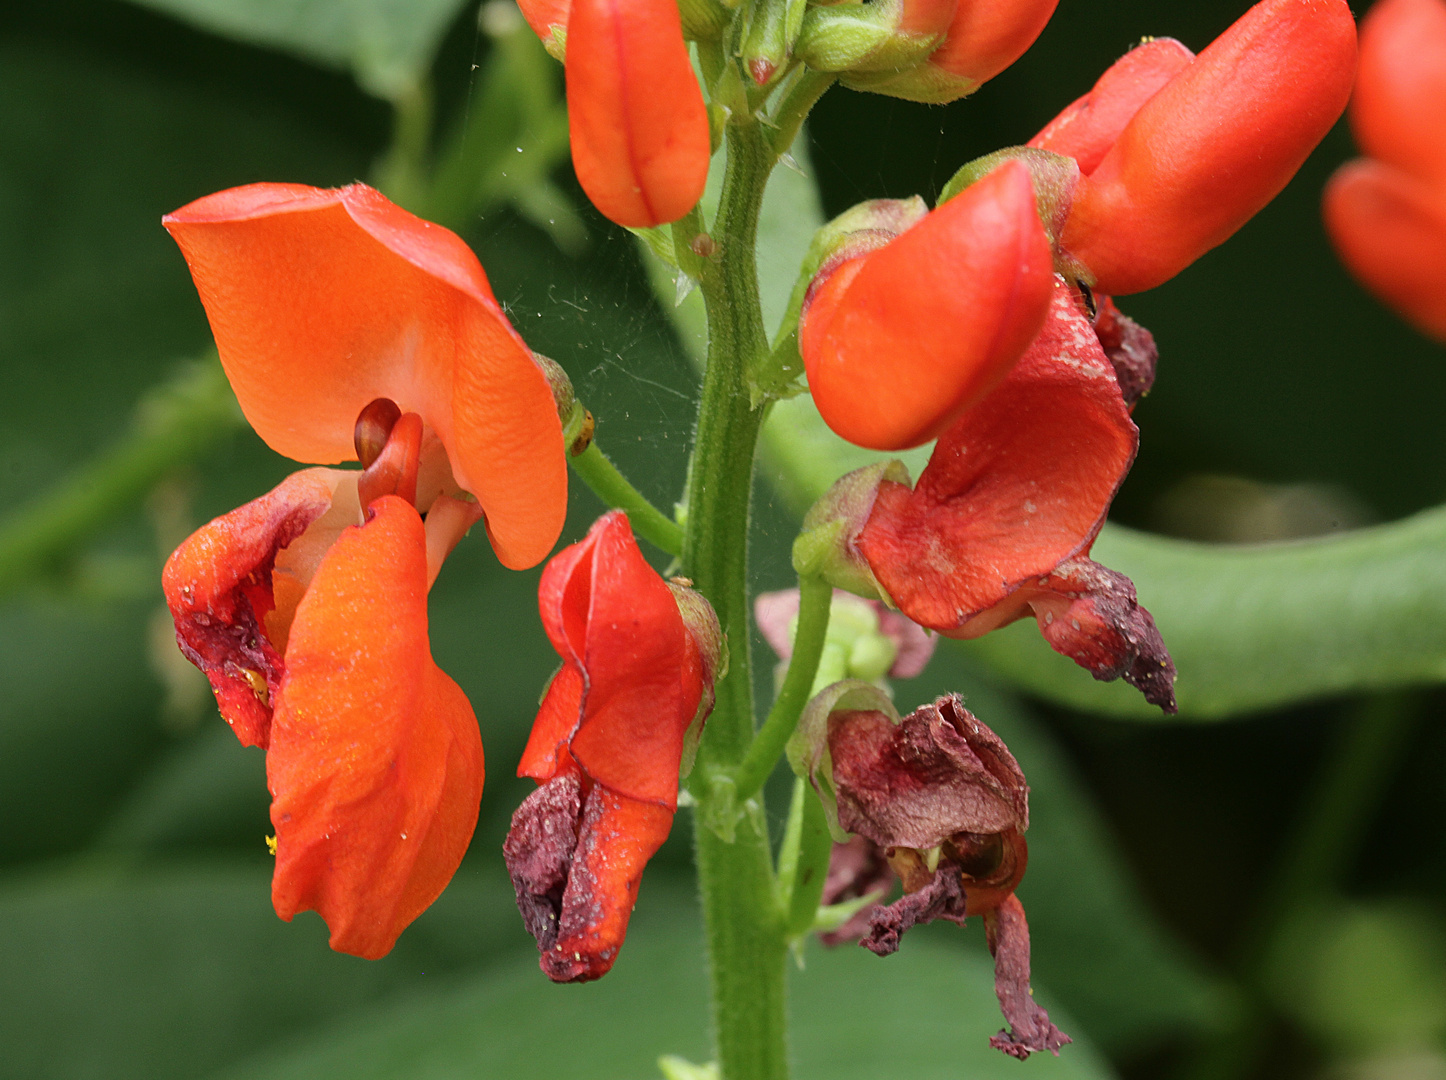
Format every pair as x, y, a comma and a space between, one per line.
794, 108
810, 855
814, 599
174, 425
612, 487
746, 940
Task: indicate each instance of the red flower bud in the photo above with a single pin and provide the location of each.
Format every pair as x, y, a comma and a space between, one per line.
1387, 215
607, 745
1390, 230
987, 36
1214, 145
1398, 114
548, 18
639, 128
982, 38
1090, 125
312, 628
898, 342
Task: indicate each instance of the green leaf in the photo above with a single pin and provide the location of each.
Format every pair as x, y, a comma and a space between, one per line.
925, 1013
1260, 626
388, 44
1096, 943
185, 969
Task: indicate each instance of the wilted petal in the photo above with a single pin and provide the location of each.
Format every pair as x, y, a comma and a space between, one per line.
375, 763
232, 609
1030, 1028
915, 783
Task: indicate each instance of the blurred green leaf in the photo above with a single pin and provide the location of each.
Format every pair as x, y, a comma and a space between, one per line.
388, 44
77, 720
181, 971
1255, 627
925, 1013
1363, 978
1096, 943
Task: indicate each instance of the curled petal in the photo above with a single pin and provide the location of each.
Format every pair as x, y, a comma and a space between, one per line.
324, 300
1398, 113
1210, 149
942, 898
220, 587
576, 861
1030, 1028
1089, 126
375, 763
1390, 230
636, 118
901, 341
1019, 484
638, 675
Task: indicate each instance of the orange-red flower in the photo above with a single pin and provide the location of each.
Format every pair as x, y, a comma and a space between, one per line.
351, 330
900, 338
968, 43
942, 803
635, 112
1000, 523
1386, 212
639, 658
1177, 154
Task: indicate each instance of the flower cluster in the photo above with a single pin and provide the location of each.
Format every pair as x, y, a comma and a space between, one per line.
1026, 373
352, 331
1386, 212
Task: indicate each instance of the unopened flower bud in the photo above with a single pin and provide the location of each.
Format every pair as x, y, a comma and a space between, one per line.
636, 118
886, 36
983, 38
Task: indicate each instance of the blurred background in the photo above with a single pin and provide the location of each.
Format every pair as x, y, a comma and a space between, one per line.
1244, 892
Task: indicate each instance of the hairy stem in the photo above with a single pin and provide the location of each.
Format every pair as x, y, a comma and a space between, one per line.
746, 941
814, 598
612, 487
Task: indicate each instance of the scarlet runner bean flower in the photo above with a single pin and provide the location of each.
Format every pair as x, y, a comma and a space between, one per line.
1386, 213
349, 328
1000, 523
635, 112
1176, 154
621, 717
939, 799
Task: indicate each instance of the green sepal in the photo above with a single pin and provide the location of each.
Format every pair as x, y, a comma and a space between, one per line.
807, 750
